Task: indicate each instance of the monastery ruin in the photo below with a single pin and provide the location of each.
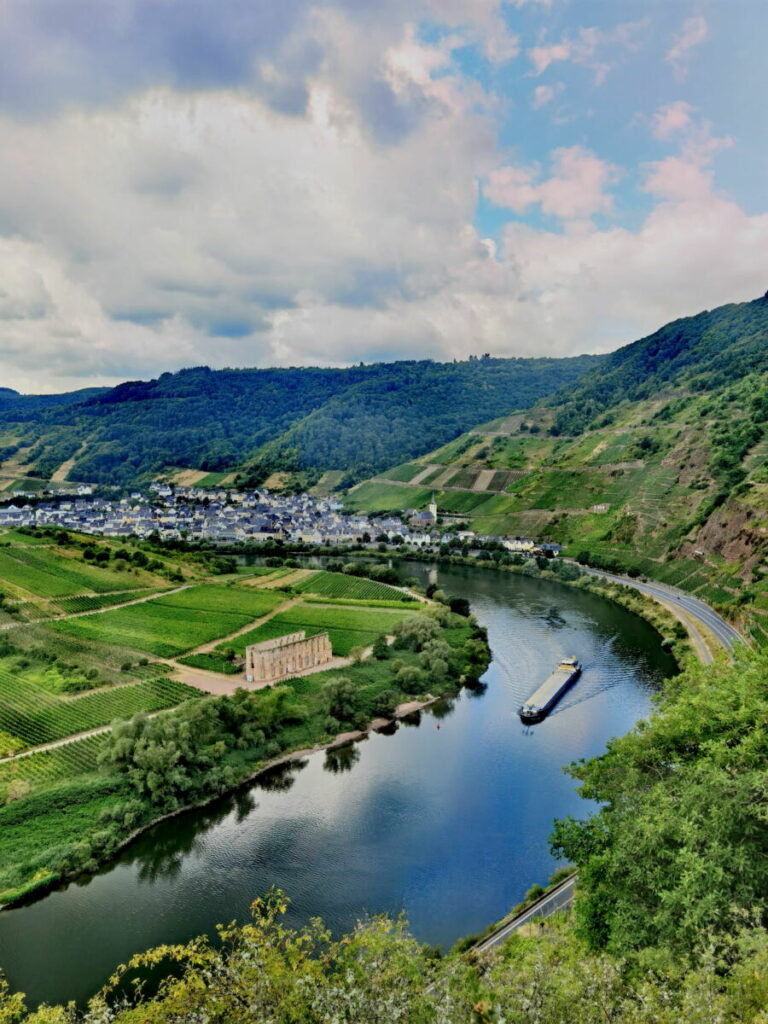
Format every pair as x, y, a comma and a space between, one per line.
273, 660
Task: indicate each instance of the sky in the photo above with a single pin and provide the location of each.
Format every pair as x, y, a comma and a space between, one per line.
289, 182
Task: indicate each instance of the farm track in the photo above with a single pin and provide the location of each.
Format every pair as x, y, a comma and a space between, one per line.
99, 611
211, 645
68, 739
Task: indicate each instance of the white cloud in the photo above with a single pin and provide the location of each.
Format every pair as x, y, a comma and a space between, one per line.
671, 119
602, 289
686, 175
583, 48
316, 205
544, 94
694, 31
483, 23
576, 189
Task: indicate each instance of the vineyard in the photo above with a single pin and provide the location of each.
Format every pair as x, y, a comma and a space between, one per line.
338, 584
168, 626
35, 717
348, 626
43, 574
79, 757
211, 662
75, 605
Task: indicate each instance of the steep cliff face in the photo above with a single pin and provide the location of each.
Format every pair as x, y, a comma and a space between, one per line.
733, 533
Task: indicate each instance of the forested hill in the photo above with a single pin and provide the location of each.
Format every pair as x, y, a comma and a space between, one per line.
656, 463
12, 401
355, 421
703, 352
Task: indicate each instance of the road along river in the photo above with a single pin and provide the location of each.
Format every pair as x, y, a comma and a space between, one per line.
449, 824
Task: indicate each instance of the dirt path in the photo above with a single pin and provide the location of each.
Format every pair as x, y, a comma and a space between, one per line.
62, 472
100, 611
211, 645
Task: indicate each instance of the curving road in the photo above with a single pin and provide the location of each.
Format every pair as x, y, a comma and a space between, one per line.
559, 898
688, 609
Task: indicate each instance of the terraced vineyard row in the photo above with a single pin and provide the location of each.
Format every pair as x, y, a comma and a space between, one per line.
65, 762
74, 605
348, 627
338, 584
36, 717
170, 625
48, 575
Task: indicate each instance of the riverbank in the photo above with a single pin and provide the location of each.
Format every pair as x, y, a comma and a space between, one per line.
290, 757
252, 727
385, 825
674, 630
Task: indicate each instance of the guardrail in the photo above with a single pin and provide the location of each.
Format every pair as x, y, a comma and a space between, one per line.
534, 910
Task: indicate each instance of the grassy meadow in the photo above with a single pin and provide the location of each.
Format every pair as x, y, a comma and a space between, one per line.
101, 647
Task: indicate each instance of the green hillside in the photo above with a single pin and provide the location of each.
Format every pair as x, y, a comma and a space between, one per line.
305, 421
656, 462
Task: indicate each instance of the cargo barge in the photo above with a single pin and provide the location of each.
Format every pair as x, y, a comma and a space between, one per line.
540, 703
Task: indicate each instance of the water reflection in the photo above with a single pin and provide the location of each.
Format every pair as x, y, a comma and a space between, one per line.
341, 759
449, 824
282, 777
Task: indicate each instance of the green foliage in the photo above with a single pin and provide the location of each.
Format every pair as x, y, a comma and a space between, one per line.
213, 661
341, 698
361, 419
678, 848
264, 971
415, 632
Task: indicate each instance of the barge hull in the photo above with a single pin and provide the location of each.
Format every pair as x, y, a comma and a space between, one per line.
541, 702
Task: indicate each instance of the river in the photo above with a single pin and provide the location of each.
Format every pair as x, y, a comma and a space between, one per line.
449, 824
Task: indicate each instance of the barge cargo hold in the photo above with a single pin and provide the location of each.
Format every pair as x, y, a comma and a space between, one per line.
540, 703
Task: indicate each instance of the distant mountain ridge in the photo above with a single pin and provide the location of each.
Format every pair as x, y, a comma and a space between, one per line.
16, 402
655, 462
297, 421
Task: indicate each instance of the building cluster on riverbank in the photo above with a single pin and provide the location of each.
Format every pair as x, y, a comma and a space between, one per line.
232, 517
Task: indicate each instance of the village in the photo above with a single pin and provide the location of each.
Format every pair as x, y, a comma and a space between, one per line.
244, 516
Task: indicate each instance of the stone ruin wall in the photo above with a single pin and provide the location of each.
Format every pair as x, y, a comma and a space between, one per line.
273, 660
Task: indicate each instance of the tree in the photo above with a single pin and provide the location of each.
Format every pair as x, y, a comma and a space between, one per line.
342, 698
380, 650
411, 679
459, 606
678, 846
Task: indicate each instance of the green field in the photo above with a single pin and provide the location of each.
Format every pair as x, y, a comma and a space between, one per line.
384, 497
34, 717
80, 757
348, 627
339, 584
404, 473
167, 626
91, 603
41, 573
211, 662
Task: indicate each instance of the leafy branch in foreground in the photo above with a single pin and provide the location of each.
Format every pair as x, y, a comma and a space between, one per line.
679, 846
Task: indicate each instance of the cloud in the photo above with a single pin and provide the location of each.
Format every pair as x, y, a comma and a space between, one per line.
576, 189
583, 47
254, 184
687, 175
483, 24
544, 94
601, 289
62, 52
694, 31
671, 119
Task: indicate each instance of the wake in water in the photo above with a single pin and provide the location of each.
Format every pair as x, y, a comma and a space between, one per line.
580, 694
